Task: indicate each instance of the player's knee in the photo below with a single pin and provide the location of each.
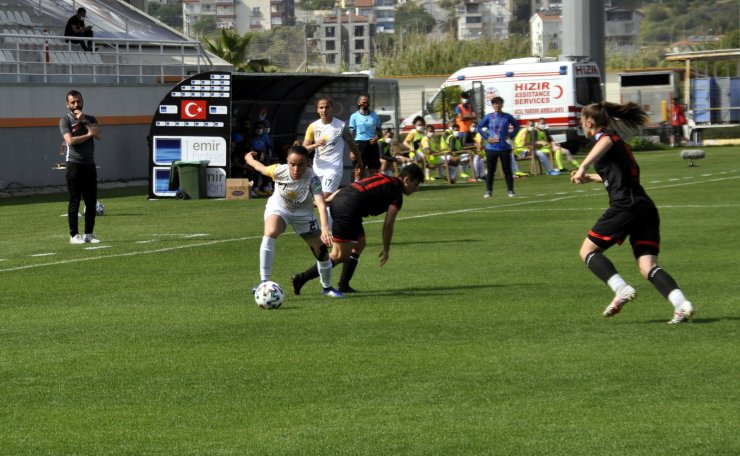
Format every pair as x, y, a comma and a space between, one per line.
337, 256
645, 269
585, 252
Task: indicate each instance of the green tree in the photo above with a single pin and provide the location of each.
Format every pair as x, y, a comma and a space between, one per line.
420, 55
412, 18
169, 14
310, 5
232, 47
203, 26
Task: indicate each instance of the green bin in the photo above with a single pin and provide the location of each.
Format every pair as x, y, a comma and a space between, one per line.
189, 179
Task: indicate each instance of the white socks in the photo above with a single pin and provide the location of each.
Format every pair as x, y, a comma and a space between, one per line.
267, 256
324, 273
676, 297
616, 282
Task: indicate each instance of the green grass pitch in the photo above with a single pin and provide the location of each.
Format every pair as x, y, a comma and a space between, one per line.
483, 333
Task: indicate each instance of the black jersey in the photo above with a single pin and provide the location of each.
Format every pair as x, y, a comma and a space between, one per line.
620, 173
371, 195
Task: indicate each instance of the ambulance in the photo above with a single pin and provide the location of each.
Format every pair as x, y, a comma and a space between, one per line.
531, 87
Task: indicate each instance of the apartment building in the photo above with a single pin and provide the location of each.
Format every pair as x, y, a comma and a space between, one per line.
478, 18
622, 28
241, 15
345, 40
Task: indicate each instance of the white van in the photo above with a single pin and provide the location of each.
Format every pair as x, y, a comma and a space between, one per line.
531, 87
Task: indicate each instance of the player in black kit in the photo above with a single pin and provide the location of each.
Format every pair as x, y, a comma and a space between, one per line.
373, 195
631, 212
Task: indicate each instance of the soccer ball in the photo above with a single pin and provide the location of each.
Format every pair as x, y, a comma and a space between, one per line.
269, 295
99, 208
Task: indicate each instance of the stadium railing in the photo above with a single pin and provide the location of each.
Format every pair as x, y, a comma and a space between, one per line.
32, 56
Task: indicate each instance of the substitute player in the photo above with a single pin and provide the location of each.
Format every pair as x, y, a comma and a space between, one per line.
631, 212
327, 136
373, 195
297, 188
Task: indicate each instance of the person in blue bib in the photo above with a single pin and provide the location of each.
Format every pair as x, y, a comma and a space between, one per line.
496, 130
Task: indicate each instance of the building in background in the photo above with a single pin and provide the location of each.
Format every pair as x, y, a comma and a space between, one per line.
241, 15
345, 39
622, 28
545, 32
547, 5
385, 15
478, 19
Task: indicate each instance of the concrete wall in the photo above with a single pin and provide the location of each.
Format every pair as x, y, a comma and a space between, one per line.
30, 139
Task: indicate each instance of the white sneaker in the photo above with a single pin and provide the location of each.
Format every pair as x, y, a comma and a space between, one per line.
622, 297
91, 239
487, 195
77, 239
512, 194
683, 313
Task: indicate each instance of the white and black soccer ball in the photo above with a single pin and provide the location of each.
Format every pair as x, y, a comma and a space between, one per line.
269, 295
99, 209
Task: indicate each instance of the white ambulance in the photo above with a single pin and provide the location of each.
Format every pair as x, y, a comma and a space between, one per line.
531, 87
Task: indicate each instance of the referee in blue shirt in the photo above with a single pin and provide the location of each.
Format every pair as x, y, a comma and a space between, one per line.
364, 125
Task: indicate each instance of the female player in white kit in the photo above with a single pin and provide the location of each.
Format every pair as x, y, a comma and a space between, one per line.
297, 188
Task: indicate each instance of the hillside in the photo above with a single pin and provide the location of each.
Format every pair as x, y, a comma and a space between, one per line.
668, 21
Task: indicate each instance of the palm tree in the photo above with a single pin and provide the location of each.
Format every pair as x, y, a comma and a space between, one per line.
232, 47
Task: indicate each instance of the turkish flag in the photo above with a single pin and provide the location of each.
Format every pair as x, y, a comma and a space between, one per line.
193, 109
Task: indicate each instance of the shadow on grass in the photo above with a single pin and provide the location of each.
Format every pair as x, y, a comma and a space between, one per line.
696, 321
428, 291
441, 241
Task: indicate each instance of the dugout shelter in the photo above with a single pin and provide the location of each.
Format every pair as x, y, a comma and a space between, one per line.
194, 120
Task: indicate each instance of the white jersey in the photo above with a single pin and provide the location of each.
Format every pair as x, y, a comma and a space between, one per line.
329, 157
293, 195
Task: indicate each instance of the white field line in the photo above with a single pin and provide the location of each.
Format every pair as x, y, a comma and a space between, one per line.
504, 207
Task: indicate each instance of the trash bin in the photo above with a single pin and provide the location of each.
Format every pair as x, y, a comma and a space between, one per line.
189, 179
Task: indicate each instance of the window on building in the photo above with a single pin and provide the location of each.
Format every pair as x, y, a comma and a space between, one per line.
473, 20
256, 11
359, 30
331, 59
330, 32
359, 44
331, 45
358, 59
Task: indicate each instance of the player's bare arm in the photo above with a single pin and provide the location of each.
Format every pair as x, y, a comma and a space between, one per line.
326, 236
601, 147
390, 220
354, 152
251, 159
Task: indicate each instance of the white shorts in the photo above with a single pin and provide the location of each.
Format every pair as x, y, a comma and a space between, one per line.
330, 180
303, 222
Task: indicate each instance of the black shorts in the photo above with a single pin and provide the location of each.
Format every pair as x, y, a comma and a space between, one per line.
678, 131
346, 223
370, 154
640, 222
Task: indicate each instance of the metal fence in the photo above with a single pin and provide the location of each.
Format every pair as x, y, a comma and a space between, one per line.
40, 57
